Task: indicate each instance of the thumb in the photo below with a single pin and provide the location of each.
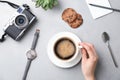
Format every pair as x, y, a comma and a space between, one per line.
84, 54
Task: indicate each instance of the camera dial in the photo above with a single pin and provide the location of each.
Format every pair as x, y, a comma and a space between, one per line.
21, 21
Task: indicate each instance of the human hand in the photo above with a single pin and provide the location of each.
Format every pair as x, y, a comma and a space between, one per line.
89, 60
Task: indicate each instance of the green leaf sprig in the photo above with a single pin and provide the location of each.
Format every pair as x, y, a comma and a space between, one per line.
46, 4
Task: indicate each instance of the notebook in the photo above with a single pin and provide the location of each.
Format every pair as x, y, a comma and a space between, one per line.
96, 11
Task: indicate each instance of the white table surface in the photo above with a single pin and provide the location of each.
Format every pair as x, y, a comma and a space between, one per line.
13, 54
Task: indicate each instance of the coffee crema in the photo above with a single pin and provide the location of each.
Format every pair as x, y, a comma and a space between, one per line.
64, 48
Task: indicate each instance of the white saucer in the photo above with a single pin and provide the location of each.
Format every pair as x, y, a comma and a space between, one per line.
53, 57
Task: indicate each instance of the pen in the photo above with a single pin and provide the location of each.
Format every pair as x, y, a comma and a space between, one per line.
117, 10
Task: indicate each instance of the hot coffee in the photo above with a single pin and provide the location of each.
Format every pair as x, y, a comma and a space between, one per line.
65, 48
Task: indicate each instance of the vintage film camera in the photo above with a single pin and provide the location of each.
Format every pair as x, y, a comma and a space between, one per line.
19, 23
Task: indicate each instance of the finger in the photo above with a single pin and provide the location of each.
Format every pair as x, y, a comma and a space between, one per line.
84, 54
92, 47
88, 49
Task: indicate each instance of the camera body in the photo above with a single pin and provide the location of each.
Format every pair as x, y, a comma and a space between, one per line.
19, 23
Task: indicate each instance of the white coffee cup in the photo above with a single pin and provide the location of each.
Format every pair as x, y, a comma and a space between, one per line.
72, 37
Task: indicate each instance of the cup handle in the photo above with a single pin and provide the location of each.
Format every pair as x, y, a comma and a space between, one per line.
79, 46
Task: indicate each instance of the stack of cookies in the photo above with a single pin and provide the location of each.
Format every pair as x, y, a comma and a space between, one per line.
70, 16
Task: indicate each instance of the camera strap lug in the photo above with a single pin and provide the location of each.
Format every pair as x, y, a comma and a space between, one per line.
26, 6
3, 37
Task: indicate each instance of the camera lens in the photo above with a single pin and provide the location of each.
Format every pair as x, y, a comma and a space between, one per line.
21, 21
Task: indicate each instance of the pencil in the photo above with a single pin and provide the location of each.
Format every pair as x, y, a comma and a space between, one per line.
117, 10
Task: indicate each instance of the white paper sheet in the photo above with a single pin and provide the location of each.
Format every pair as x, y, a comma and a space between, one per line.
96, 11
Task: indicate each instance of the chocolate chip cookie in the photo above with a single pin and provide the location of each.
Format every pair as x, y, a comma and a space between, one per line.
77, 22
69, 15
